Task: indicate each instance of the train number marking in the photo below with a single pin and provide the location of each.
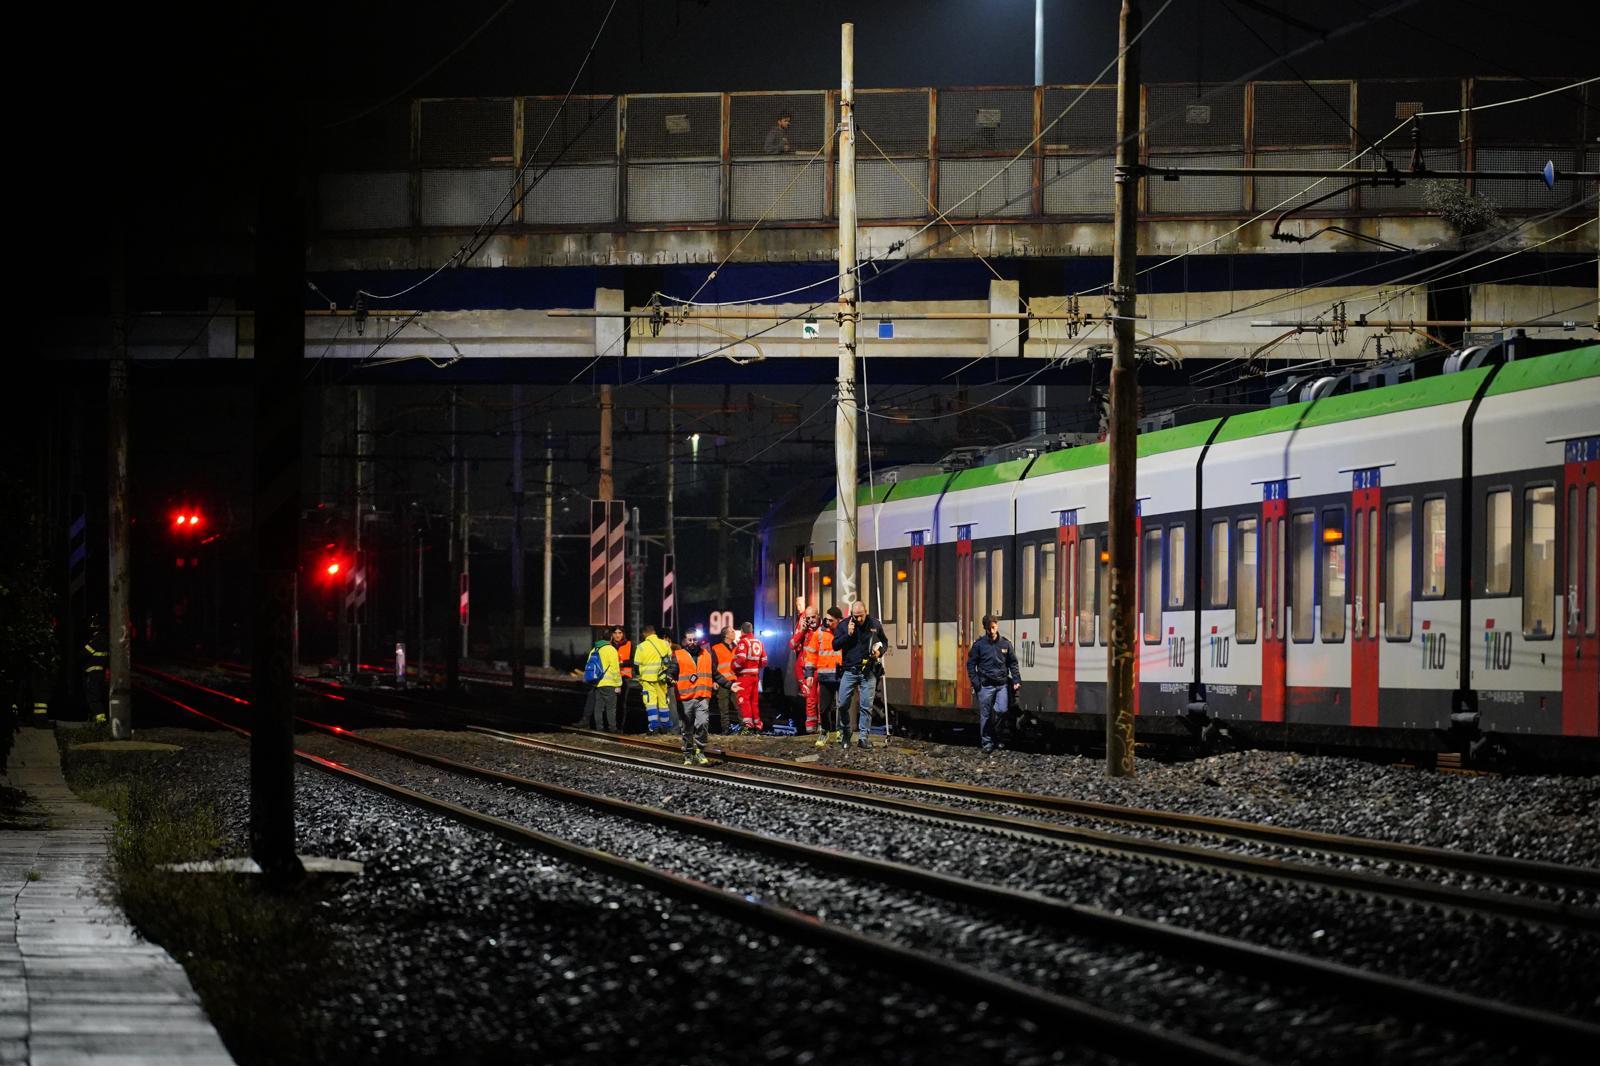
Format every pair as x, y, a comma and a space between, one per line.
1176, 649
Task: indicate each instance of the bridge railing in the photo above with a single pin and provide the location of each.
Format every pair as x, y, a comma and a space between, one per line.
699, 160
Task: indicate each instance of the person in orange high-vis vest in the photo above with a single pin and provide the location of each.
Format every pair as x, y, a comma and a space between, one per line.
725, 701
749, 659
625, 656
693, 675
803, 627
822, 670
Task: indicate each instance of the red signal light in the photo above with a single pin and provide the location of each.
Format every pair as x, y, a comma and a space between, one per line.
182, 519
194, 520
333, 569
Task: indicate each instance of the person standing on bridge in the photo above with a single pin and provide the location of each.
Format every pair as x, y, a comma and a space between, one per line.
693, 674
652, 659
860, 642
995, 677
749, 659
777, 139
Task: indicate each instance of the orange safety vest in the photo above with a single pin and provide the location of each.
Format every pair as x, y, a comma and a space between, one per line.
819, 653
625, 654
723, 655
694, 675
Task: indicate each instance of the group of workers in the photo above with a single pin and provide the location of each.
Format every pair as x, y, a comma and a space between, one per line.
838, 661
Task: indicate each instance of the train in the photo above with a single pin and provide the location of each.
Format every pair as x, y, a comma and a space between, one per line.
1405, 567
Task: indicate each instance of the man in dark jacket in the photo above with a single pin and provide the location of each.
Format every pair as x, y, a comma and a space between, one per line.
860, 642
995, 676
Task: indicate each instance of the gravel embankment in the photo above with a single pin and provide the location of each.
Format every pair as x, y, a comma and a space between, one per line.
1502, 960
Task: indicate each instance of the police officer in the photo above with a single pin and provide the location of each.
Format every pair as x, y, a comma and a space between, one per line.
995, 676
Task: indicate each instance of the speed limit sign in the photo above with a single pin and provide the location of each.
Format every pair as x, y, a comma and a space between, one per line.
720, 620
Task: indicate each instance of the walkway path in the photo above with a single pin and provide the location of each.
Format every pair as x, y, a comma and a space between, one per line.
77, 985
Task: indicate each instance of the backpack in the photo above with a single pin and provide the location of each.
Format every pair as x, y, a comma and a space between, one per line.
594, 669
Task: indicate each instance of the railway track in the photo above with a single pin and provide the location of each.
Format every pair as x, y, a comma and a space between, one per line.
1498, 886
1546, 1031
1096, 1026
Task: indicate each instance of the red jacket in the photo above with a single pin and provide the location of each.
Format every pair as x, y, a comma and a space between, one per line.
749, 655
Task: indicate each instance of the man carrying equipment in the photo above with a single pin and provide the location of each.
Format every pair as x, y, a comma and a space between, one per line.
653, 659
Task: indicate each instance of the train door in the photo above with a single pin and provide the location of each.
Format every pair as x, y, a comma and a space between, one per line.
1580, 665
1274, 646
1366, 500
917, 580
963, 613
1066, 644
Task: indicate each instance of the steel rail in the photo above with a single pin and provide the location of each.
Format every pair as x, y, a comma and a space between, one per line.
1376, 885
1528, 871
1478, 863
1106, 1029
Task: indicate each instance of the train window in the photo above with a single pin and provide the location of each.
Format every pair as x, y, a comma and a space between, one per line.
1372, 572
1272, 579
1302, 581
1574, 553
1177, 566
997, 582
1026, 580
782, 586
1103, 600
1433, 543
901, 600
1363, 597
980, 587
1048, 622
1591, 605
864, 592
886, 592
1333, 575
1539, 562
1217, 592
1397, 592
1497, 564
1088, 607
1244, 599
914, 580
1150, 585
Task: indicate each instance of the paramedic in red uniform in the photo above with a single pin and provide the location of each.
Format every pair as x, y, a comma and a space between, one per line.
749, 659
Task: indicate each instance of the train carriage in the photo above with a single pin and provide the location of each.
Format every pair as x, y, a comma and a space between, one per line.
1378, 567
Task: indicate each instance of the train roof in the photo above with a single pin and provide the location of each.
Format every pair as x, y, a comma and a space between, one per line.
1552, 369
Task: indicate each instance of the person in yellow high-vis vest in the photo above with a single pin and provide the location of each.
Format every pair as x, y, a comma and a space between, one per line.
651, 657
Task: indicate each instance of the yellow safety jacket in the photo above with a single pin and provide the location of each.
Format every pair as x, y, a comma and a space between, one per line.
652, 659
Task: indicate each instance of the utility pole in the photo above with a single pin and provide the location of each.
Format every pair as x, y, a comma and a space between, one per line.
722, 543
277, 369
518, 591
422, 603
1041, 393
636, 561
672, 473
549, 542
844, 428
119, 705
465, 616
363, 399
1124, 405
607, 489
452, 650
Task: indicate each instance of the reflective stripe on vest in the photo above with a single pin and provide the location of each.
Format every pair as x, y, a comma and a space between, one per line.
652, 659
